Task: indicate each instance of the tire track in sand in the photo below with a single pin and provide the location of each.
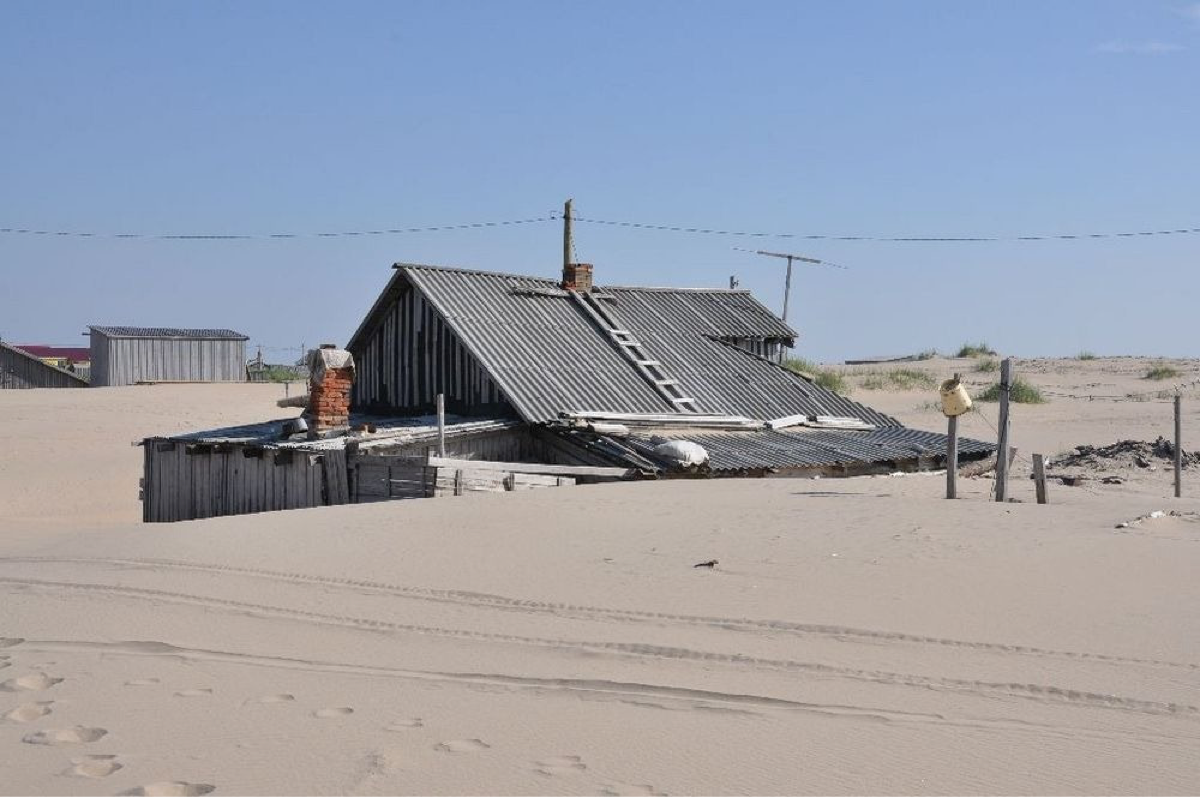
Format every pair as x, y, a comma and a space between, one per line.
1045, 693
490, 601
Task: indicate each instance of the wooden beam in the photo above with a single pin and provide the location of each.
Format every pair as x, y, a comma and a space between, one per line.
1178, 446
1002, 459
530, 467
1039, 478
952, 457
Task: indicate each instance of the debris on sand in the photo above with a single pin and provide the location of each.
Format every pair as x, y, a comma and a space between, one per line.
1126, 453
1155, 515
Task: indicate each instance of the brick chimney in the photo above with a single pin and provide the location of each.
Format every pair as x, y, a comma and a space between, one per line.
330, 377
577, 277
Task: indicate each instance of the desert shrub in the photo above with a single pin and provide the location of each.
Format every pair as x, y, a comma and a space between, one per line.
987, 365
825, 377
899, 379
979, 349
1021, 392
1085, 355
1162, 371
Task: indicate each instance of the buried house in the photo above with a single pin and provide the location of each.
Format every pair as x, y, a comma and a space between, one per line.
545, 382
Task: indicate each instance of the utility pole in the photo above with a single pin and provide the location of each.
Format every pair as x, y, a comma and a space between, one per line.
567, 234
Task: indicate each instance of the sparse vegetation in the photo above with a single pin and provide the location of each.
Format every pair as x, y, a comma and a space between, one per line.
987, 365
1085, 355
824, 377
928, 354
1162, 371
1021, 392
979, 349
898, 379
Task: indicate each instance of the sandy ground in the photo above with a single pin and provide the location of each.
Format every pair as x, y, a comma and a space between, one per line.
858, 636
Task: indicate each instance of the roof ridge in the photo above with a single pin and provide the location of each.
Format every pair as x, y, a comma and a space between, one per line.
463, 270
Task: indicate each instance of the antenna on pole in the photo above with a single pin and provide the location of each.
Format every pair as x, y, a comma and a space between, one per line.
787, 282
568, 239
789, 257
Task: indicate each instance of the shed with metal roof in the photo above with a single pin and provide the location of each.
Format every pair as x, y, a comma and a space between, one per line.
572, 359
126, 355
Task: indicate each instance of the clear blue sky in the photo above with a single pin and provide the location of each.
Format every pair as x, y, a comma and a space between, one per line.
876, 118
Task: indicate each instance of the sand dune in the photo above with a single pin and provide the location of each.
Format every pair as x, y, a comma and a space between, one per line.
857, 636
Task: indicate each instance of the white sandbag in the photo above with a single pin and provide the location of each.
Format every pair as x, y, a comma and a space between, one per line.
682, 452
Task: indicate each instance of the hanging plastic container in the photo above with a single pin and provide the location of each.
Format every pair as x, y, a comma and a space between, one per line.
955, 400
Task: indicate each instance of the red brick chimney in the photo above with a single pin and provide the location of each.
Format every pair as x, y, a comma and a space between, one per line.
330, 377
577, 277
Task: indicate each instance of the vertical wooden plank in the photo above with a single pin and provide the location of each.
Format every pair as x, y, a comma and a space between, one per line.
1002, 448
1039, 477
441, 422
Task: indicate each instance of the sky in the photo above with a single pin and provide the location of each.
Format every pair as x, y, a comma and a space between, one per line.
879, 119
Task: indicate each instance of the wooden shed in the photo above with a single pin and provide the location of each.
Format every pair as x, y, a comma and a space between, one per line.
129, 355
19, 369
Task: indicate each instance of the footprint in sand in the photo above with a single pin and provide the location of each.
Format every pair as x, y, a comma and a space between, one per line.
194, 693
76, 735
327, 713
142, 682
93, 766
631, 790
406, 725
171, 788
463, 746
10, 641
560, 765
4, 662
282, 697
30, 683
29, 711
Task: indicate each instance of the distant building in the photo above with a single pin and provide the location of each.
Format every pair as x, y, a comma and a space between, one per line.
129, 355
20, 370
76, 359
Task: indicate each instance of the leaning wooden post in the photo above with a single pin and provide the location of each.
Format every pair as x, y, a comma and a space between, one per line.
441, 413
1039, 478
1002, 443
1178, 446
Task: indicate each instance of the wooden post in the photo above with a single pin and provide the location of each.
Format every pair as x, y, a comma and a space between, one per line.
1002, 443
567, 241
1039, 478
1178, 446
952, 458
441, 413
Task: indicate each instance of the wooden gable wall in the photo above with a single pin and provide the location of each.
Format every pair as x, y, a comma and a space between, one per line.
411, 355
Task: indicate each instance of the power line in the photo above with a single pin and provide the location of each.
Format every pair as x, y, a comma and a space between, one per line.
884, 238
556, 216
269, 236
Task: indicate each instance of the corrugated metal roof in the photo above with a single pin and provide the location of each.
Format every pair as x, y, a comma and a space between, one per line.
755, 450
73, 353
169, 332
546, 355
549, 356
389, 431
